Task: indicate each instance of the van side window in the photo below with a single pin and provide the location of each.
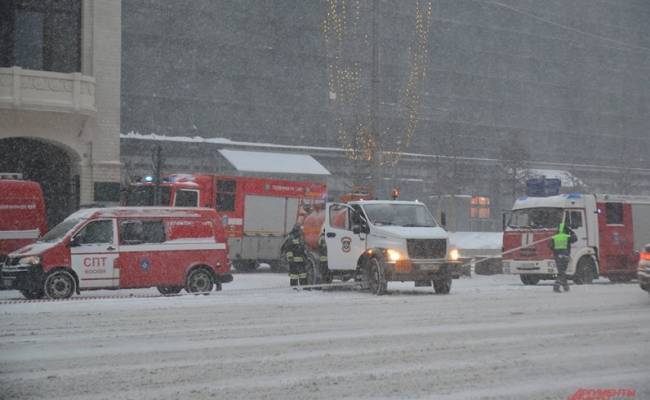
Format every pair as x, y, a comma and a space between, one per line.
226, 191
186, 198
614, 213
137, 232
96, 232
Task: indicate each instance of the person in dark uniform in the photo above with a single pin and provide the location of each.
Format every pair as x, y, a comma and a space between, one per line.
561, 246
295, 250
322, 259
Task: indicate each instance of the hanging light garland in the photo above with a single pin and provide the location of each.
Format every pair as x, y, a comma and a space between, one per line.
344, 45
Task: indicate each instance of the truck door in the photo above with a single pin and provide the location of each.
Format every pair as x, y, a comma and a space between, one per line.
93, 253
575, 220
343, 246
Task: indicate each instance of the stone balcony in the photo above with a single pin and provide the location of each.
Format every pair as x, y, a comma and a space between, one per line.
30, 90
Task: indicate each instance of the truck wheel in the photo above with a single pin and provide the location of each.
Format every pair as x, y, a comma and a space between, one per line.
199, 281
245, 265
59, 285
442, 285
32, 294
376, 278
529, 279
169, 290
585, 271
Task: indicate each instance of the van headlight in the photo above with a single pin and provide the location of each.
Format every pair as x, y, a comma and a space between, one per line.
393, 255
454, 255
30, 260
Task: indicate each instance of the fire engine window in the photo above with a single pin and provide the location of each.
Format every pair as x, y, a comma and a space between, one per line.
574, 219
226, 195
614, 213
96, 232
136, 232
339, 217
187, 198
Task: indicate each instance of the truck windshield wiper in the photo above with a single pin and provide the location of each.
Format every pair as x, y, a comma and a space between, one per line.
418, 226
384, 223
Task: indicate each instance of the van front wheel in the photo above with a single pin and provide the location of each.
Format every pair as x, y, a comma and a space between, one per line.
199, 281
59, 285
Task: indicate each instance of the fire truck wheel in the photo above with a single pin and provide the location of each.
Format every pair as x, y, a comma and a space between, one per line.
529, 279
169, 290
585, 271
376, 278
442, 286
199, 281
32, 294
59, 285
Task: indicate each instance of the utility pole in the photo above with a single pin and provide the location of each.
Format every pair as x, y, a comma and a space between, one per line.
374, 163
156, 158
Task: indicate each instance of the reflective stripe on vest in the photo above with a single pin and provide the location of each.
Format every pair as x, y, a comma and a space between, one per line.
561, 241
323, 258
298, 259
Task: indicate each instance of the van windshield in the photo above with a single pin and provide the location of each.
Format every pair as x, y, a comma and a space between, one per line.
536, 218
411, 215
59, 231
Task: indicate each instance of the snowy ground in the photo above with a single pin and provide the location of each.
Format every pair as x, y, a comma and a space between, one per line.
490, 338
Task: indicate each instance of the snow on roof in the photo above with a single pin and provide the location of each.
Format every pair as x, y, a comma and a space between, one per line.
566, 178
284, 163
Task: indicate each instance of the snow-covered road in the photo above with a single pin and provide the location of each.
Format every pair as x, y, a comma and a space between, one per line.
490, 338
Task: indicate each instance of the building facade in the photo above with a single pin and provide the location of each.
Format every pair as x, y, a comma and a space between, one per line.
60, 98
497, 88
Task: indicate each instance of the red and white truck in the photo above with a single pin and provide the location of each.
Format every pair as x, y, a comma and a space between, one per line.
22, 214
257, 213
127, 247
611, 229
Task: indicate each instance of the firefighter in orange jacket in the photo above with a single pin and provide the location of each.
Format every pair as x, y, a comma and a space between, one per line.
296, 254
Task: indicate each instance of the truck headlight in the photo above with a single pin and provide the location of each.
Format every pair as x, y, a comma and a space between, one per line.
30, 260
393, 255
454, 254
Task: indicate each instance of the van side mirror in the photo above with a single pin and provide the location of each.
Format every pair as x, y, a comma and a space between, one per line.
356, 229
443, 219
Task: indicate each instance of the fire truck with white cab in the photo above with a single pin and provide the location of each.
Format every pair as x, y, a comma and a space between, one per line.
610, 229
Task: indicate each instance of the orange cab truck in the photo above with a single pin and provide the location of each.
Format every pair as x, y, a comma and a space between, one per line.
257, 213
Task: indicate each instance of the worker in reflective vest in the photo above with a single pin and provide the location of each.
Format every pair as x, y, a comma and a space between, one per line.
296, 257
561, 246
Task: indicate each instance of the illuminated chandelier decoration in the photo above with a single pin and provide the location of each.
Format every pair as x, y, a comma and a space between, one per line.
355, 106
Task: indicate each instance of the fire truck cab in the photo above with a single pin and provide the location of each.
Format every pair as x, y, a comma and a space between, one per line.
610, 230
257, 213
114, 248
378, 241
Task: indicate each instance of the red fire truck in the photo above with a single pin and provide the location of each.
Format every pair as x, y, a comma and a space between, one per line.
128, 247
257, 213
22, 214
611, 229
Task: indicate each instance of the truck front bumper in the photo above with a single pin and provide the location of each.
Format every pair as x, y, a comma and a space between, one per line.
533, 267
422, 270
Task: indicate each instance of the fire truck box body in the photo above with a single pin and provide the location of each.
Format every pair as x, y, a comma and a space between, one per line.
22, 215
610, 229
123, 247
257, 213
